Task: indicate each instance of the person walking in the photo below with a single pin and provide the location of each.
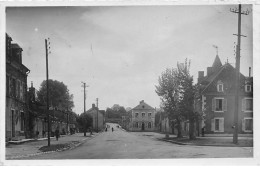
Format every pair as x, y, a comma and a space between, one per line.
57, 133
112, 129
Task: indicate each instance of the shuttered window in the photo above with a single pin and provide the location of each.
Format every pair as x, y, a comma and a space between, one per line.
219, 104
247, 104
217, 124
247, 124
7, 85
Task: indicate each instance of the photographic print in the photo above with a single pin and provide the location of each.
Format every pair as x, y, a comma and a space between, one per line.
129, 82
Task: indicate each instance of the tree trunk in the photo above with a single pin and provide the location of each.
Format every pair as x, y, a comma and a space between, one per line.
179, 135
191, 129
85, 132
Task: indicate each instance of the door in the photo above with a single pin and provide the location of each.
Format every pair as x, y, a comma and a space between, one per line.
13, 123
142, 126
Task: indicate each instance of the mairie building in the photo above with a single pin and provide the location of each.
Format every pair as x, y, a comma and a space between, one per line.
142, 118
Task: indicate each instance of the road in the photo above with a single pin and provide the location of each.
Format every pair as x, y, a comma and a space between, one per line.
137, 145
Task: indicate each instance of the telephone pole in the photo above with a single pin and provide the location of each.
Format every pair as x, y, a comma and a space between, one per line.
84, 85
47, 44
97, 115
237, 84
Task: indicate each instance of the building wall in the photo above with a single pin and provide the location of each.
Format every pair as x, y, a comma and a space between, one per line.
100, 120
142, 120
227, 115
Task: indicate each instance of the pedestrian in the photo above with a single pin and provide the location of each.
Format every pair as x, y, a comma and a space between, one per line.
57, 133
106, 129
112, 129
203, 131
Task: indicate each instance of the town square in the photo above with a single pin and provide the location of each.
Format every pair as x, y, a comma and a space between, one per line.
129, 82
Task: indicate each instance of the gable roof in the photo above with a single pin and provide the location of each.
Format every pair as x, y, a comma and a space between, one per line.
211, 78
142, 105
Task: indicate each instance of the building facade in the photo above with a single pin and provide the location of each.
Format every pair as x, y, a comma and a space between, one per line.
16, 92
218, 99
142, 118
98, 118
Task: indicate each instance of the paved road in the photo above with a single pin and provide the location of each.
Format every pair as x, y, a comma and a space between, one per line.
127, 145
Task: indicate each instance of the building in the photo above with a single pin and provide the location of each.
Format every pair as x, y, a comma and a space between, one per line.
142, 118
218, 99
98, 118
16, 92
65, 121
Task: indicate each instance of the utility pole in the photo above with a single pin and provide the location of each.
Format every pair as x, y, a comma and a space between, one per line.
84, 86
97, 115
47, 43
237, 84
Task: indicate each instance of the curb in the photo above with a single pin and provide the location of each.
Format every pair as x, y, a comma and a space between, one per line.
191, 144
73, 146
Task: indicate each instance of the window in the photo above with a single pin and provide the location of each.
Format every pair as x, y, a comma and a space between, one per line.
7, 85
149, 114
220, 87
248, 88
247, 105
219, 104
149, 125
247, 124
217, 124
136, 115
143, 115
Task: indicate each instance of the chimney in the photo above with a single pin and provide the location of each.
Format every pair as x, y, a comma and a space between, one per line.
200, 75
93, 105
32, 92
142, 101
209, 71
249, 71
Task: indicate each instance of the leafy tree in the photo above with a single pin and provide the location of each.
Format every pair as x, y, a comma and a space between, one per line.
59, 95
116, 111
168, 89
85, 121
187, 95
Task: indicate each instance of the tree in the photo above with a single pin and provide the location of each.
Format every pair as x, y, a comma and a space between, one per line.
85, 121
187, 93
59, 95
168, 89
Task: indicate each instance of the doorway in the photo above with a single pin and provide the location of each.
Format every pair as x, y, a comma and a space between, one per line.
143, 126
13, 123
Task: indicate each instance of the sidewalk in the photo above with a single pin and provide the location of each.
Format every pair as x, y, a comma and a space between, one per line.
211, 140
31, 148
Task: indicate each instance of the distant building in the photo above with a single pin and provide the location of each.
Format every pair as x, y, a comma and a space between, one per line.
16, 92
142, 118
218, 99
98, 117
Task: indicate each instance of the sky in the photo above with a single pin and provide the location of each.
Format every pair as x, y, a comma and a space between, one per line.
120, 51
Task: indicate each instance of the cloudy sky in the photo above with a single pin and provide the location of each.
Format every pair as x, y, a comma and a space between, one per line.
121, 51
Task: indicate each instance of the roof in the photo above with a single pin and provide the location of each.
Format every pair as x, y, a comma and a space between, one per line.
217, 63
212, 77
15, 46
143, 105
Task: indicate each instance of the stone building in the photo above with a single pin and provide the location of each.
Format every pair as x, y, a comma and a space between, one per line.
142, 118
218, 99
16, 92
98, 118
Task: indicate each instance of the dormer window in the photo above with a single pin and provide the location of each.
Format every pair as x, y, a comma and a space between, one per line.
248, 88
220, 87
136, 115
